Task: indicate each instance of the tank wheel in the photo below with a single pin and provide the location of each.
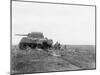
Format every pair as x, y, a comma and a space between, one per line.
33, 46
45, 45
23, 46
39, 46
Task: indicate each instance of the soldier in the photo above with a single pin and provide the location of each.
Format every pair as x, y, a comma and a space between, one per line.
57, 45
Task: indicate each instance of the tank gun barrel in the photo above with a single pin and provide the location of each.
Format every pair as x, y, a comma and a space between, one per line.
21, 34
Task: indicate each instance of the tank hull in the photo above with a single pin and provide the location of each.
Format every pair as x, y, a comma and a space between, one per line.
35, 43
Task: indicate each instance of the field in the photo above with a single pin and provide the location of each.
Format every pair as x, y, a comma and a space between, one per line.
71, 57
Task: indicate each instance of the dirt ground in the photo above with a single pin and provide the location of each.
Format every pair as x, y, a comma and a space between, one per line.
34, 61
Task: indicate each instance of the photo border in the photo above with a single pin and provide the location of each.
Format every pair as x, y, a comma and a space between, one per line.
59, 4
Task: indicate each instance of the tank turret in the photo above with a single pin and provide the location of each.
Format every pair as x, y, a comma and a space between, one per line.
33, 35
21, 34
34, 40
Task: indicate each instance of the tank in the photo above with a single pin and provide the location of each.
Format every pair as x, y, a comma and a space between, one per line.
34, 40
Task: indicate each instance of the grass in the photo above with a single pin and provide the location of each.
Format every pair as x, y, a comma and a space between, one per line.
81, 57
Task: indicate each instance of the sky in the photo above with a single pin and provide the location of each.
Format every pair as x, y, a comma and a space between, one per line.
67, 24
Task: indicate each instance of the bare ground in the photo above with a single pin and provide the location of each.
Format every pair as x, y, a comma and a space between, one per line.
33, 61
